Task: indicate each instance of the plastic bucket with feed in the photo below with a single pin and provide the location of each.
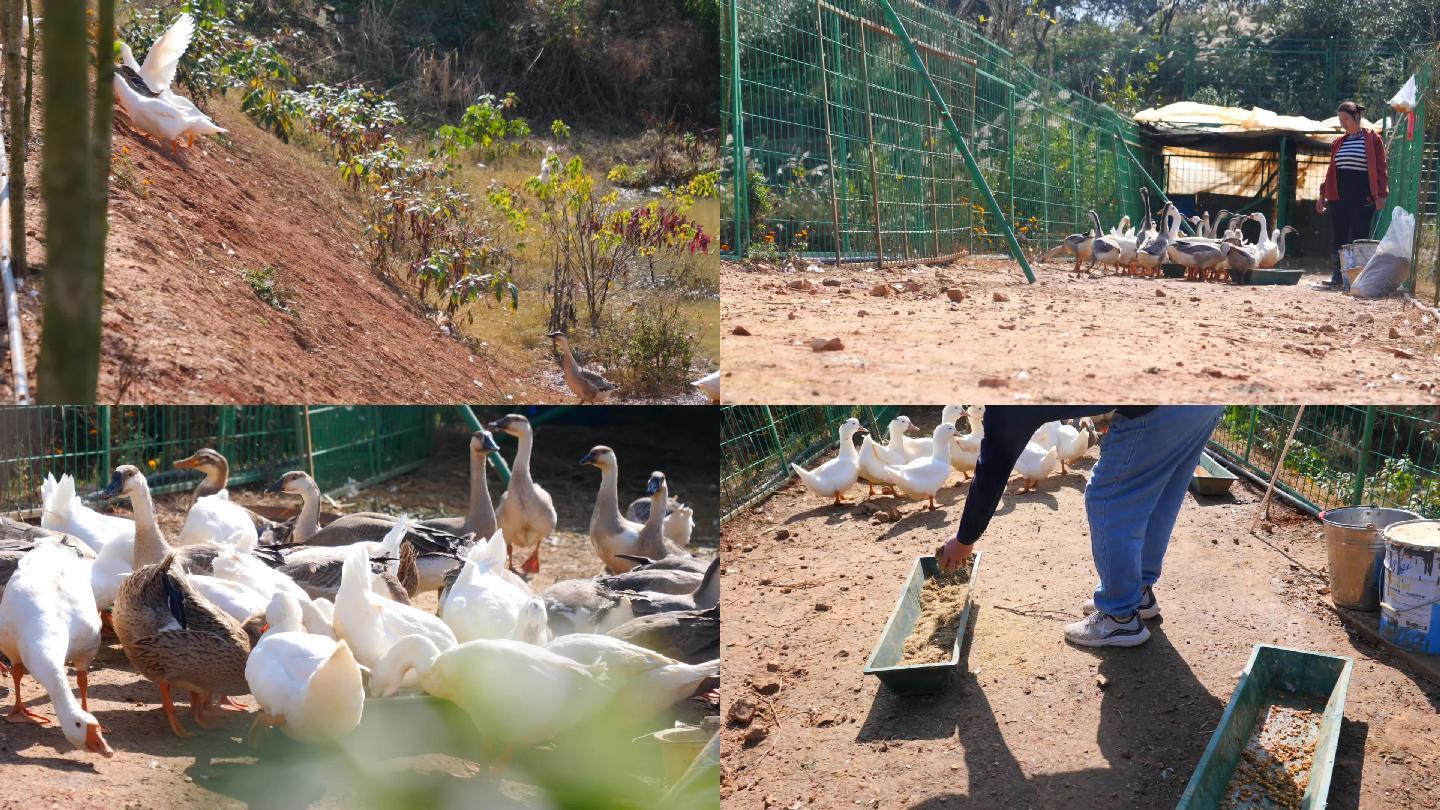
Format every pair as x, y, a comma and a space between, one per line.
1355, 548
1410, 601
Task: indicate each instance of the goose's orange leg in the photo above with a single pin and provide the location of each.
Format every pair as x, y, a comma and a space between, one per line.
532, 565
22, 714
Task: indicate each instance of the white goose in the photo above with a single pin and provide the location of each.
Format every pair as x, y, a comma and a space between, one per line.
1038, 461
48, 619
923, 477
966, 452
308, 685
836, 476
216, 519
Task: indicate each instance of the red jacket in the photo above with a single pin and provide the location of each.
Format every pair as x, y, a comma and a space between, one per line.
1374, 155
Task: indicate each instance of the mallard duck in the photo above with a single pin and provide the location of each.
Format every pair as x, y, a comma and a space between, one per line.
62, 511
175, 637
48, 619
709, 385
966, 452
532, 626
610, 533
371, 623
308, 685
526, 514
479, 520
691, 636
589, 386
482, 603
150, 102
835, 477
874, 455
515, 693
1037, 462
923, 477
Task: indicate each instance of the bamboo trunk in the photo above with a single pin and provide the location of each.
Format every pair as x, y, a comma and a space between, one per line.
19, 132
69, 362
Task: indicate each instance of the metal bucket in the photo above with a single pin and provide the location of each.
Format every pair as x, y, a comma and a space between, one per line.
1410, 609
1355, 547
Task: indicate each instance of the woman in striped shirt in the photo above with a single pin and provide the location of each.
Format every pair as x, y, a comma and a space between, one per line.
1355, 183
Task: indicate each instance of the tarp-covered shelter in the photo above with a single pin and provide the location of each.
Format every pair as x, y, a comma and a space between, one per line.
1246, 160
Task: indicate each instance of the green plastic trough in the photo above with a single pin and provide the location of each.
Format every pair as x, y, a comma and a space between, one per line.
917, 679
1275, 675
1266, 277
1172, 270
1215, 481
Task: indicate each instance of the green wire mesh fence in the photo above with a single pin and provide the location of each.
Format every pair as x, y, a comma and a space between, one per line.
758, 443
1415, 177
835, 150
1343, 455
349, 444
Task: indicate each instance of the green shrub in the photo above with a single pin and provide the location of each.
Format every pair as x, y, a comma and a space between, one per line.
651, 348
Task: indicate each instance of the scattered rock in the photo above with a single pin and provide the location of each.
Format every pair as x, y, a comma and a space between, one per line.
782, 534
801, 284
1405, 354
862, 313
772, 666
1328, 328
955, 294
821, 607
881, 290
740, 330
1007, 326
1101, 681
1153, 370
769, 687
742, 712
1159, 293
831, 282
999, 298
1365, 318
992, 382
756, 735
1194, 298
823, 345
1394, 333
1212, 372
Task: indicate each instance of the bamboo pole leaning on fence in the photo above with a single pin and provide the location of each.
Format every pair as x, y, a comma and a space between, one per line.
18, 130
1264, 511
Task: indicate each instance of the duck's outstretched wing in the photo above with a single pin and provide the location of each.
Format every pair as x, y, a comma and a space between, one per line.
164, 56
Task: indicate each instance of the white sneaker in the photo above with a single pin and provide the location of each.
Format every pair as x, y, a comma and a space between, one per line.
1149, 608
1104, 630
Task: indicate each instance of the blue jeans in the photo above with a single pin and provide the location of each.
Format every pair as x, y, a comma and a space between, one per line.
1135, 494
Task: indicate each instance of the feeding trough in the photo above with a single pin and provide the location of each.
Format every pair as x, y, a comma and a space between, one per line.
1295, 700
884, 662
1211, 478
1172, 270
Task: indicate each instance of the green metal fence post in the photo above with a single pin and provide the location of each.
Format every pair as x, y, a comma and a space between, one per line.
1362, 468
1250, 434
741, 173
1282, 186
949, 122
829, 137
775, 437
870, 145
107, 462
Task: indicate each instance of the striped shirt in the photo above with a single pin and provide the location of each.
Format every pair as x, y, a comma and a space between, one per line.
1351, 156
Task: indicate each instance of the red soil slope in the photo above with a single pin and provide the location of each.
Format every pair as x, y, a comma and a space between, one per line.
182, 325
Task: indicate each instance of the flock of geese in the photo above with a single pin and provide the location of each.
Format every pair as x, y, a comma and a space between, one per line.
919, 467
309, 618
1212, 254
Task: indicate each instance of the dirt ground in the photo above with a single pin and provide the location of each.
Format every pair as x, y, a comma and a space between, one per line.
1027, 724
152, 768
1063, 339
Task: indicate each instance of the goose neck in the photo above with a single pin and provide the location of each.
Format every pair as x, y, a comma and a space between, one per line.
481, 519
308, 523
150, 545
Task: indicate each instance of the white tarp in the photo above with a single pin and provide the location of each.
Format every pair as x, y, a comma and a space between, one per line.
1214, 118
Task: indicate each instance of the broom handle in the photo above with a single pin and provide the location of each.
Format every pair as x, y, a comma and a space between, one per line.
1275, 473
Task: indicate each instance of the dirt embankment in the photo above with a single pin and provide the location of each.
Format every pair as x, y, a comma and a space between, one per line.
183, 324
1029, 724
1062, 339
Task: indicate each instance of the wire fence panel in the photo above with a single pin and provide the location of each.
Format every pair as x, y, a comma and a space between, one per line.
361, 444
1342, 455
835, 150
1415, 178
758, 443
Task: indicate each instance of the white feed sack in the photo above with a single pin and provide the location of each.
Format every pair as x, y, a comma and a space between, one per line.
1390, 265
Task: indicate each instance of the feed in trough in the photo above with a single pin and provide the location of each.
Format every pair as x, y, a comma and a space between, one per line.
1274, 768
942, 600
